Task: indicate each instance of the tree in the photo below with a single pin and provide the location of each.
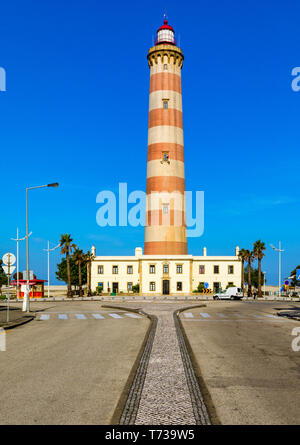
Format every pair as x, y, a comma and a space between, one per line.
79, 258
136, 288
62, 274
254, 277
249, 258
258, 252
3, 277
243, 257
295, 282
88, 258
66, 249
200, 288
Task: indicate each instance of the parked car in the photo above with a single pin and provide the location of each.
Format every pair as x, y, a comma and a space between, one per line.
232, 293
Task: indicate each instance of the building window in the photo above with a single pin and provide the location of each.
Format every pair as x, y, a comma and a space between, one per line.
152, 268
201, 269
129, 286
230, 269
216, 269
100, 270
179, 268
217, 287
100, 285
115, 269
165, 104
166, 209
165, 66
230, 284
152, 285
179, 285
129, 269
165, 156
166, 268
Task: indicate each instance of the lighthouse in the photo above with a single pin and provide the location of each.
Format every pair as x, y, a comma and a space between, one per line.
165, 227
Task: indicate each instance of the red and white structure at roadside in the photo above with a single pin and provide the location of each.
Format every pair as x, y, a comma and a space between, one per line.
165, 231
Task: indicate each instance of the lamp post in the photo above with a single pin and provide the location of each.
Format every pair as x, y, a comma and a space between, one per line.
279, 250
18, 239
26, 306
49, 250
264, 283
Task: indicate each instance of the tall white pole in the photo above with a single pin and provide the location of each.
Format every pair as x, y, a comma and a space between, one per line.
48, 270
17, 263
279, 283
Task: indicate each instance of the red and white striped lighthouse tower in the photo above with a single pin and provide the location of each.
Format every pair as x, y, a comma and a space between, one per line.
165, 231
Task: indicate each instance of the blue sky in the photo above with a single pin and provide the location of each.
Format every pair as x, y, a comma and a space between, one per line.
76, 109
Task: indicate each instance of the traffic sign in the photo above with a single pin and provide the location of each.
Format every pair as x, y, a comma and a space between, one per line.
8, 270
286, 283
206, 285
9, 258
298, 274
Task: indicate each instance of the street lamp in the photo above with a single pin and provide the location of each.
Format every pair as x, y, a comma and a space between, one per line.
18, 239
279, 250
50, 250
26, 306
264, 283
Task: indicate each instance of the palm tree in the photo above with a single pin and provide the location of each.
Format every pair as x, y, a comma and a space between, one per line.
242, 256
258, 252
89, 257
66, 249
249, 257
79, 259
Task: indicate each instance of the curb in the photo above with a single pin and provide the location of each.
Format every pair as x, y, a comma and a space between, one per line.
17, 323
129, 401
204, 409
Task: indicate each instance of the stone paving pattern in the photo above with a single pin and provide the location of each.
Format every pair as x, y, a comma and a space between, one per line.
165, 397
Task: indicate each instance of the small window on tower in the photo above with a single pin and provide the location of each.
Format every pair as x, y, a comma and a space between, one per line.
165, 156
165, 104
165, 66
166, 209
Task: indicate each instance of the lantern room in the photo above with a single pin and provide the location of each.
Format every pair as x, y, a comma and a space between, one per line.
165, 35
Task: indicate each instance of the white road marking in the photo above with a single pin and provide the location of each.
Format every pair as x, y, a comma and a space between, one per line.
98, 316
204, 315
80, 317
188, 315
273, 316
62, 316
44, 317
115, 316
223, 315
133, 315
257, 316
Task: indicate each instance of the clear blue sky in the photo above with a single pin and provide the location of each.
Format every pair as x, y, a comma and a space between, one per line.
76, 109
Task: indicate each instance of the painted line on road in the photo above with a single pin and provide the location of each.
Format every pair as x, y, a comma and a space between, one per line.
80, 317
133, 315
204, 315
188, 315
115, 316
44, 317
98, 316
223, 315
62, 316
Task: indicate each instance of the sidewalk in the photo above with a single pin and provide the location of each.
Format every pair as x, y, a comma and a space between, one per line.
16, 317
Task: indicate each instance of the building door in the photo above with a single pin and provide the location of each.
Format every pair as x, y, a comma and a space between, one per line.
115, 288
166, 287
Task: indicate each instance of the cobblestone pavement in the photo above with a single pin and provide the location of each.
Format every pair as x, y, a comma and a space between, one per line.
165, 397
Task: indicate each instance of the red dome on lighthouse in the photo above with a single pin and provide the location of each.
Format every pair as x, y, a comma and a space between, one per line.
165, 35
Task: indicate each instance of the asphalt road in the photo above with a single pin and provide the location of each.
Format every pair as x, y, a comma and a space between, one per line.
246, 360
69, 366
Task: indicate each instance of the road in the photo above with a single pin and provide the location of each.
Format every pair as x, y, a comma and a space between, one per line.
69, 365
246, 360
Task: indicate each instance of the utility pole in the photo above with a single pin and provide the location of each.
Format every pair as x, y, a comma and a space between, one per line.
279, 250
18, 239
49, 250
